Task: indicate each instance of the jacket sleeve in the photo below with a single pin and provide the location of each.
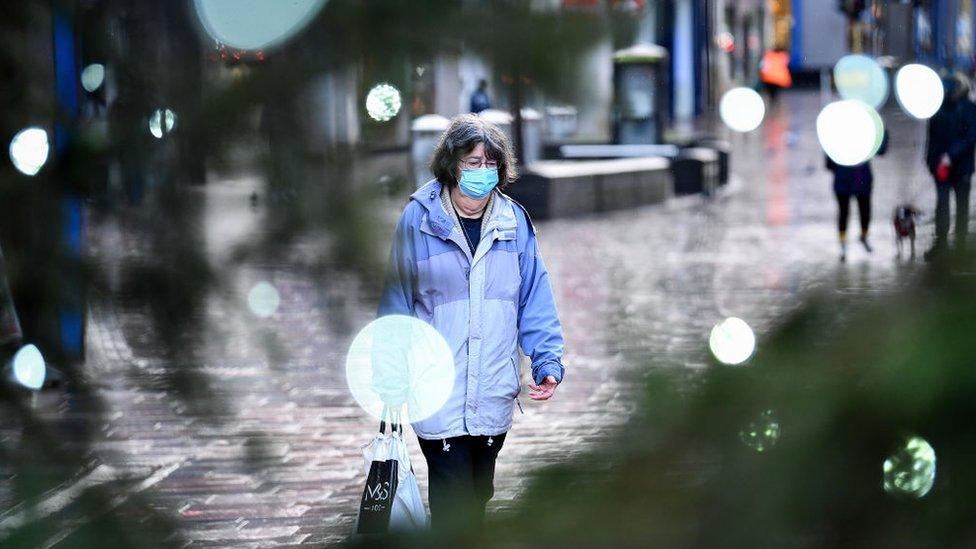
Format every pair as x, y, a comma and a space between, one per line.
965, 142
933, 147
540, 332
401, 274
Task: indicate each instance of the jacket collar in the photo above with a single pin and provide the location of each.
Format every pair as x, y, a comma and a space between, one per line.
439, 223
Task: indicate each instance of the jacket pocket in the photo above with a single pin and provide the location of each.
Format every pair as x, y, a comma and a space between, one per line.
517, 379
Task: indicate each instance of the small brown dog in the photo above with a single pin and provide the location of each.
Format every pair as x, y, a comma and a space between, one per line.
904, 221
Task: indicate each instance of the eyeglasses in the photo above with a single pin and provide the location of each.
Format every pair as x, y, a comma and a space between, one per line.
475, 163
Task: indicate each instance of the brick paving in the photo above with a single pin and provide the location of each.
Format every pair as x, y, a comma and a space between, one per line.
278, 460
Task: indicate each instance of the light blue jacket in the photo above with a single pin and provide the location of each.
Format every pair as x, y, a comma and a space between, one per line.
485, 306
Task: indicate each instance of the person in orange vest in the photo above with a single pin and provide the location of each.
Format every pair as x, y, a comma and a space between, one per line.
774, 72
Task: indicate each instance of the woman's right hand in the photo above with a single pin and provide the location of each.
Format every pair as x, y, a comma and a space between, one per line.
544, 390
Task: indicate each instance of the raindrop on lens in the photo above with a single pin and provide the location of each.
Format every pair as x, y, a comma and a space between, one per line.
263, 299
862, 78
383, 102
732, 341
910, 470
399, 361
93, 76
255, 24
28, 367
742, 109
29, 150
162, 122
850, 132
761, 434
919, 90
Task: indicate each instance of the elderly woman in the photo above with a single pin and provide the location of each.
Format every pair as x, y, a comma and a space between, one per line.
465, 260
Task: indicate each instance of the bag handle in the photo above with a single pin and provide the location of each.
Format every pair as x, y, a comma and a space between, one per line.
394, 421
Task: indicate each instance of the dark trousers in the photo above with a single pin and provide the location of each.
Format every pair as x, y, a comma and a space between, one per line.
773, 91
844, 210
960, 186
461, 479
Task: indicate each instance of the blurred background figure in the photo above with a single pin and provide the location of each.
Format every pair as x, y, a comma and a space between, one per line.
857, 182
479, 99
774, 72
949, 156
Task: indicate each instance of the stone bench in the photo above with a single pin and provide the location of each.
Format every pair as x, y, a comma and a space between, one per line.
723, 148
609, 151
696, 170
562, 188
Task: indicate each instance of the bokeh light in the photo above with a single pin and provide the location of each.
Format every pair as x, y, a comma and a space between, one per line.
29, 150
383, 102
910, 471
732, 341
162, 122
28, 367
742, 109
263, 299
762, 433
93, 76
919, 90
255, 24
862, 78
399, 360
850, 132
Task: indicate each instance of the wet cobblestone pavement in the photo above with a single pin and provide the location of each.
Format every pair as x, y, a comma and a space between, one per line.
278, 459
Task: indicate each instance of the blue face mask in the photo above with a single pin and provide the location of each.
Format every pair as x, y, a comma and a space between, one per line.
478, 183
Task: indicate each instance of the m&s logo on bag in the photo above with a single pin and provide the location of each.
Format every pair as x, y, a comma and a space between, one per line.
380, 491
381, 485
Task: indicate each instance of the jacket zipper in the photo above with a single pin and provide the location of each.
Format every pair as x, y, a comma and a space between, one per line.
518, 381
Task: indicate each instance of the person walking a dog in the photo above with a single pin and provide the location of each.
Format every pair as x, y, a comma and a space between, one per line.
951, 160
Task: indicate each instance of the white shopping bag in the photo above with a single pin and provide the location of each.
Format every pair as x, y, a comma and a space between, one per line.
408, 509
390, 475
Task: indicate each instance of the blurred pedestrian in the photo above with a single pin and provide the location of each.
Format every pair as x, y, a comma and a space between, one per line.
857, 182
774, 72
950, 158
479, 99
465, 259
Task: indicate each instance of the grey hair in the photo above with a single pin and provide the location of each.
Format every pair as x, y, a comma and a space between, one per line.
461, 137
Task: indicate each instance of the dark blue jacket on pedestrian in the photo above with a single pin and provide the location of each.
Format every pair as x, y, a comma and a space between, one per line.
480, 101
855, 179
952, 131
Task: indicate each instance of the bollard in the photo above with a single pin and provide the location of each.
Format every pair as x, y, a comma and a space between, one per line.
531, 135
425, 132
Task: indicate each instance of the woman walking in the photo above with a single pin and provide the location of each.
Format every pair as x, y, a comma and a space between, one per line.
465, 260
857, 182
